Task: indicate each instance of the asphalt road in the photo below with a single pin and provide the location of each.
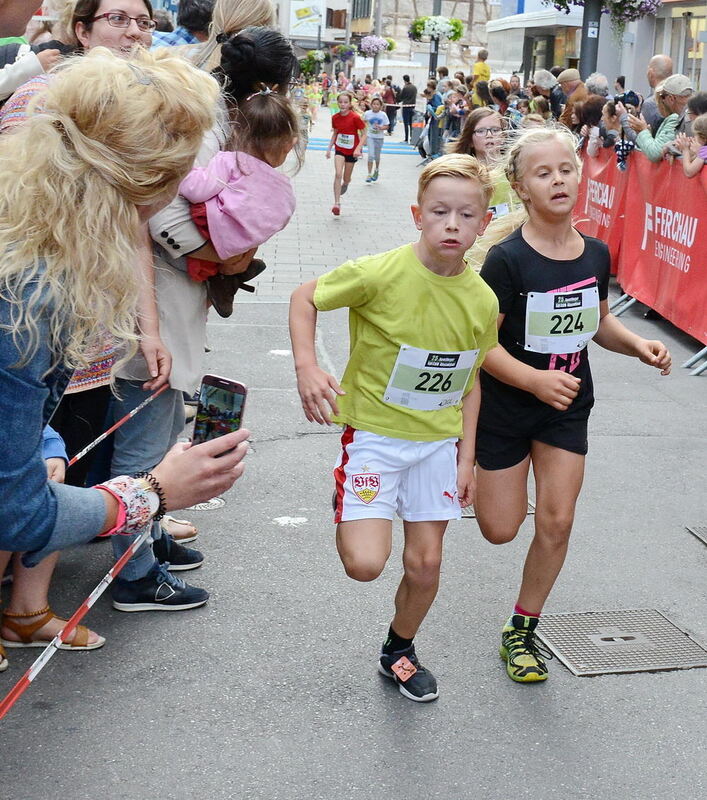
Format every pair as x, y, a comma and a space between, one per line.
271, 690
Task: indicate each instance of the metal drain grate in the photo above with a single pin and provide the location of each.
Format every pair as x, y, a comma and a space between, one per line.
602, 642
700, 531
209, 505
469, 513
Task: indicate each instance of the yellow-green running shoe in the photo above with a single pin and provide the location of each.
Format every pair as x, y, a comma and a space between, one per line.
520, 649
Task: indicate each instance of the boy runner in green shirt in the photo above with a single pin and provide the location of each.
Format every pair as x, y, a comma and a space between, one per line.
420, 322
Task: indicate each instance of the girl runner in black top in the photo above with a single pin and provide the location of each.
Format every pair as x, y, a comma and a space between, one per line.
551, 283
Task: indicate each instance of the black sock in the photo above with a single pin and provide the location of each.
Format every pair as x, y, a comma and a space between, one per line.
395, 643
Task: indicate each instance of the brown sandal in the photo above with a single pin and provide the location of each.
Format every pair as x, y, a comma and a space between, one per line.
25, 631
3, 661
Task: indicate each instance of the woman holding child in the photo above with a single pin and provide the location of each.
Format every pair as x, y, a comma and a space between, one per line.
95, 180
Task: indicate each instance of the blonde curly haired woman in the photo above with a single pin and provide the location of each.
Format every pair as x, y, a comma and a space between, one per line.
109, 149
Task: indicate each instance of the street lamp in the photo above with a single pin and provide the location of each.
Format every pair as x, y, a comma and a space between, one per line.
434, 41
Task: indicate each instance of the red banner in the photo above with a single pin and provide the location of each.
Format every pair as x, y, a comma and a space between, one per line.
599, 211
663, 259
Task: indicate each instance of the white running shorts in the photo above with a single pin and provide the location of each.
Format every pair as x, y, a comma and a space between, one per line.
378, 476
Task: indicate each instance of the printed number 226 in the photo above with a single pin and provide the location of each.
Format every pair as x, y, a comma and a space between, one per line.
572, 324
437, 382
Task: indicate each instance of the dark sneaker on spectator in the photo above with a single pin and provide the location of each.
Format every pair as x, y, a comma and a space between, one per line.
175, 556
414, 681
159, 590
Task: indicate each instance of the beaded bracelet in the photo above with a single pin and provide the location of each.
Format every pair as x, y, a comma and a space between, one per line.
154, 483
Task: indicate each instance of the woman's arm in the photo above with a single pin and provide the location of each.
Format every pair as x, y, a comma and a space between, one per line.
653, 146
156, 355
173, 228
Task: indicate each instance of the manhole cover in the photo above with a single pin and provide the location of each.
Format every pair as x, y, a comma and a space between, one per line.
700, 531
469, 513
209, 505
601, 642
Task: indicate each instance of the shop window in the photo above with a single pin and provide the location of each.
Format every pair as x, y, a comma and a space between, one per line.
335, 18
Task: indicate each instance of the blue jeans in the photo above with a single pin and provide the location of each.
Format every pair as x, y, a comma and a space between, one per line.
140, 444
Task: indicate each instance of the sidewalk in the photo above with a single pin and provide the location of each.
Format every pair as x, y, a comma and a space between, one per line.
270, 692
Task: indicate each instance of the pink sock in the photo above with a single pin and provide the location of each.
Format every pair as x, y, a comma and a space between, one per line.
520, 610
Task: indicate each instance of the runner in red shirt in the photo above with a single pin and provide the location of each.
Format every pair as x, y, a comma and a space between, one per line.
347, 144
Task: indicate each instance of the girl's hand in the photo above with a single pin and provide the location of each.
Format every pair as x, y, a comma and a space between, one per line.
318, 391
557, 389
466, 484
328, 153
357, 153
56, 469
655, 354
584, 131
620, 109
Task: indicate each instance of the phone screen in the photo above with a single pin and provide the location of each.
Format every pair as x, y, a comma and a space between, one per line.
220, 411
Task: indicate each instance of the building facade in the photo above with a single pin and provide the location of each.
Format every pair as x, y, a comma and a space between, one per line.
531, 34
309, 22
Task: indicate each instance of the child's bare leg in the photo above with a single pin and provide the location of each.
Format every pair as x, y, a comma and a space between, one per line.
558, 479
422, 559
348, 169
501, 501
364, 547
338, 174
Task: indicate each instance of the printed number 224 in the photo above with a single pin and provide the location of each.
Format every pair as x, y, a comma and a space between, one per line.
572, 323
437, 382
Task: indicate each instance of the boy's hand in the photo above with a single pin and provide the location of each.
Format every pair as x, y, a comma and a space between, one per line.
317, 390
557, 389
56, 469
466, 484
655, 354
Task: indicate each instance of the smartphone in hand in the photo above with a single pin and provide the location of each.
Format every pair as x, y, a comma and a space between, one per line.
220, 408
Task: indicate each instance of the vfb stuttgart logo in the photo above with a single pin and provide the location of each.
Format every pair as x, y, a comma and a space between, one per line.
366, 485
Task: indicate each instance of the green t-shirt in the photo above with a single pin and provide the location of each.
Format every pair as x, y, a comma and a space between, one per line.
394, 300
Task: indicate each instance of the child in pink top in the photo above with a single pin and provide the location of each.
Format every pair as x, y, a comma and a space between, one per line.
240, 200
694, 151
